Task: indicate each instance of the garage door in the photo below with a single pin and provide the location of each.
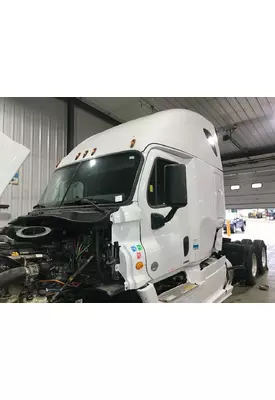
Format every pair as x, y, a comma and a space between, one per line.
250, 185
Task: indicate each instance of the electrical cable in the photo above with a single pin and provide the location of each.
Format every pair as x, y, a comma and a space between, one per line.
77, 272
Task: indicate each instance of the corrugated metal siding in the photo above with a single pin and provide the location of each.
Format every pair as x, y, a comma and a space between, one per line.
87, 125
40, 125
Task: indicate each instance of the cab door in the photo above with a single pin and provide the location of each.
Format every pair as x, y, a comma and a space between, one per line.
167, 248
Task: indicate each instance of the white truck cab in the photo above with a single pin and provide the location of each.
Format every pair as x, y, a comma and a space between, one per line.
146, 201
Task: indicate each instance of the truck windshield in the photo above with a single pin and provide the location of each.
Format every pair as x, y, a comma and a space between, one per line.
103, 180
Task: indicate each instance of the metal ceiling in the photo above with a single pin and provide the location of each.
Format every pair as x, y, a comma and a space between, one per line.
245, 125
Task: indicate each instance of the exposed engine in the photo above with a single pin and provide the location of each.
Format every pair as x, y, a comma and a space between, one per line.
55, 264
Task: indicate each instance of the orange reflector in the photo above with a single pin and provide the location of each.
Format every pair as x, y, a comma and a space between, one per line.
77, 156
86, 152
139, 265
133, 142
93, 151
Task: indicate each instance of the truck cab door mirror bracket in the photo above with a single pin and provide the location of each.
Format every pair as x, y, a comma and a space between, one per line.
158, 220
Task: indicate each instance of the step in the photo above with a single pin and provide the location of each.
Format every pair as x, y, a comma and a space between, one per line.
177, 292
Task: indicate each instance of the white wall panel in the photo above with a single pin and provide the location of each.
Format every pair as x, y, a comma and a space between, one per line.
87, 125
39, 124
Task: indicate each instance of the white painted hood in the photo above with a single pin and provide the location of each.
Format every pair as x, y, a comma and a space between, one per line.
12, 156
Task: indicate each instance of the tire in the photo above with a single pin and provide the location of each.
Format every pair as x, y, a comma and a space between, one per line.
243, 228
261, 253
251, 265
233, 252
130, 296
246, 241
233, 229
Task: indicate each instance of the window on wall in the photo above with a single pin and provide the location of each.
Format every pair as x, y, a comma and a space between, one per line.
235, 187
256, 185
155, 191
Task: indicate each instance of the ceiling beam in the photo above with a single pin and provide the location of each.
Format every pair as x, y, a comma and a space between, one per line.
90, 109
253, 153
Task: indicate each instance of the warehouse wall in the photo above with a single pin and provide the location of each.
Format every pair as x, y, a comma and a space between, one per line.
245, 197
40, 125
87, 125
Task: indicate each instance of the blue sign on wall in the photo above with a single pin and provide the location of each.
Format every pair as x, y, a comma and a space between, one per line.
15, 179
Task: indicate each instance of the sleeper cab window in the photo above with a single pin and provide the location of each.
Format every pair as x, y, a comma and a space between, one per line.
155, 191
211, 140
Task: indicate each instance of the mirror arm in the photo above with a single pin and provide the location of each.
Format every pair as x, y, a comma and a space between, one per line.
158, 220
171, 214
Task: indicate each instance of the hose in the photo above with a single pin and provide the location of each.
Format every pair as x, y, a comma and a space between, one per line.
20, 273
12, 275
9, 262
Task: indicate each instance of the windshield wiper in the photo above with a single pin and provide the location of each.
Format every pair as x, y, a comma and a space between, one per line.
39, 206
84, 200
71, 181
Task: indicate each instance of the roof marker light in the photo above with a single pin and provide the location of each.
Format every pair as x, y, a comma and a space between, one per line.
133, 142
77, 156
86, 152
93, 151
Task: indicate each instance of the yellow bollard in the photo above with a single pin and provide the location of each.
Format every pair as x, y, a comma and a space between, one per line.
228, 229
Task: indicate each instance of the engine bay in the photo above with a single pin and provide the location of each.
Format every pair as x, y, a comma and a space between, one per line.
58, 262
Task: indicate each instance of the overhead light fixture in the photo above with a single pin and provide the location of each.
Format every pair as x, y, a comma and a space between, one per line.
225, 138
256, 185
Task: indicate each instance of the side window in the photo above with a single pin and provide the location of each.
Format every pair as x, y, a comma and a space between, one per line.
155, 191
211, 140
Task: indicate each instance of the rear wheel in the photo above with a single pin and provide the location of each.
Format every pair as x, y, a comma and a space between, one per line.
251, 265
261, 254
233, 228
243, 228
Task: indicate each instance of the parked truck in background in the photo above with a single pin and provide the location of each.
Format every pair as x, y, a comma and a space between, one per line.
255, 214
132, 214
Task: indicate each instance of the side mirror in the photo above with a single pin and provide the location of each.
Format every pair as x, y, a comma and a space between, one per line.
175, 185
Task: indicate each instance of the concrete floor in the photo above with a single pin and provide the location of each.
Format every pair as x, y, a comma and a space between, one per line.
258, 229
